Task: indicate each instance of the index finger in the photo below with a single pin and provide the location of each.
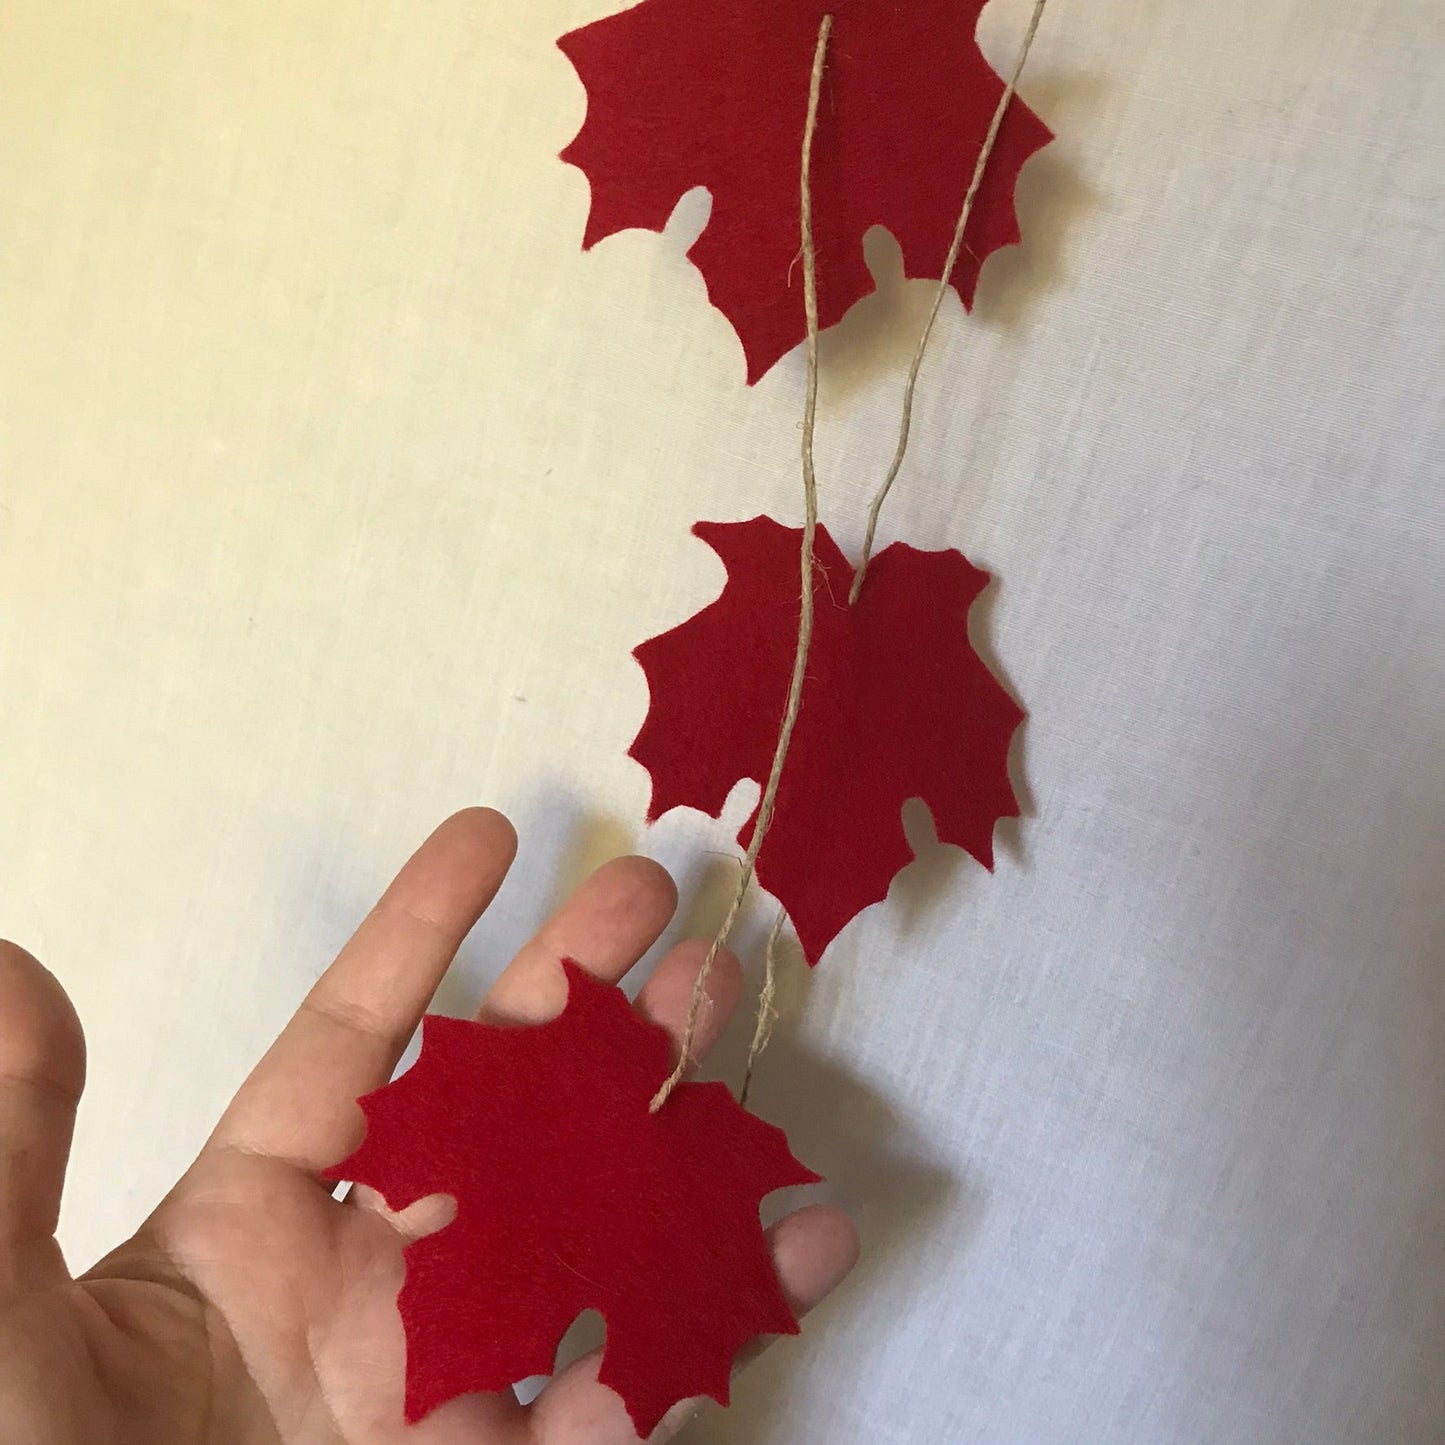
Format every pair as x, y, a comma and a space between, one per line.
299, 1104
42, 1071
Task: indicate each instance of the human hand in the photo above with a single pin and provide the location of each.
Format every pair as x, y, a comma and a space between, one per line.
252, 1308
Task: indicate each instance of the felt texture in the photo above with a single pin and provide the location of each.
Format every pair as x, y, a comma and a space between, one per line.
570, 1196
684, 93
896, 704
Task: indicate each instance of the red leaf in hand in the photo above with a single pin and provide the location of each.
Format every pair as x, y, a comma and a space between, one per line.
570, 1196
684, 93
896, 705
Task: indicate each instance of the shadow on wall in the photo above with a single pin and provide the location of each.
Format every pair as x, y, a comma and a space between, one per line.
1331, 1213
1411, 1404
876, 1169
1052, 200
1289, 1266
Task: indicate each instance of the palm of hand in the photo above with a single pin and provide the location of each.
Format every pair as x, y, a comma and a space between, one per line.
252, 1307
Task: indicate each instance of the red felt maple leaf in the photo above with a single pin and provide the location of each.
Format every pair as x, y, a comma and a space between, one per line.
571, 1195
684, 93
896, 704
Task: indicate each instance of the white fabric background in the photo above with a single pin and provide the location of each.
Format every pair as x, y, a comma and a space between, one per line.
336, 484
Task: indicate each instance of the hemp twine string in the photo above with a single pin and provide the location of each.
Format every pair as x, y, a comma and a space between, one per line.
767, 1010
805, 565
905, 425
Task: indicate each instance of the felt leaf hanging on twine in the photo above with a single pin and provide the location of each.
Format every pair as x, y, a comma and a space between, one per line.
896, 704
685, 93
570, 1196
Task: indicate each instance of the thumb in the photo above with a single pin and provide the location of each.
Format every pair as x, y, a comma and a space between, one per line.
42, 1072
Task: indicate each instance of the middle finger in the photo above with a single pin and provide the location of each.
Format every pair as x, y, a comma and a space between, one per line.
607, 924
